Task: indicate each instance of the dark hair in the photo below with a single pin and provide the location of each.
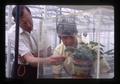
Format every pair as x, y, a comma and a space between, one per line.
66, 28
21, 8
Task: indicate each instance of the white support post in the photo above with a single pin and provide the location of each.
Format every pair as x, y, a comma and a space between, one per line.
98, 56
8, 52
39, 47
9, 16
45, 33
98, 40
41, 67
8, 61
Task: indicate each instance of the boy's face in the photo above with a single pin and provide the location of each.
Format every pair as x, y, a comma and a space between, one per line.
68, 41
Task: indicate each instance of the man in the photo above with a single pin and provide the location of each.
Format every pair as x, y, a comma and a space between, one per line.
28, 50
67, 32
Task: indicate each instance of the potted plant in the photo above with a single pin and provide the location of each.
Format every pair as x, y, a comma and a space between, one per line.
80, 60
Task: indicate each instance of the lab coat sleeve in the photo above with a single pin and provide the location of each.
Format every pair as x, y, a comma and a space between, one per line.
104, 66
57, 68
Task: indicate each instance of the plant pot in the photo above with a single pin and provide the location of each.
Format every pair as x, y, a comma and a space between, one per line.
78, 67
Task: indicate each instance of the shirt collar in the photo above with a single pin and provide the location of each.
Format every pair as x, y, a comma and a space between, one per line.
23, 31
13, 28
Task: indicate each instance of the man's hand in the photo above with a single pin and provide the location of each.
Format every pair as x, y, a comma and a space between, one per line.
55, 60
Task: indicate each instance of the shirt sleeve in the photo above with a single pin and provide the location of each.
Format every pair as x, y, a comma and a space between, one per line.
104, 66
23, 49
